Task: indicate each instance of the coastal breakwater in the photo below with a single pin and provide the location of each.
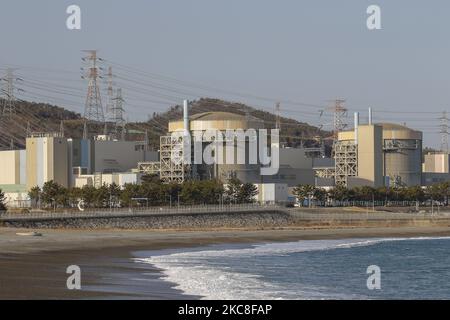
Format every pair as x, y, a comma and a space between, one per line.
223, 218
182, 221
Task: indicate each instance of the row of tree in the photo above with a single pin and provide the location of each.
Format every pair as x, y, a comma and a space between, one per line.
151, 192
438, 192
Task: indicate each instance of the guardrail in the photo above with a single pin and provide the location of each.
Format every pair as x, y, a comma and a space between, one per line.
294, 212
131, 212
364, 216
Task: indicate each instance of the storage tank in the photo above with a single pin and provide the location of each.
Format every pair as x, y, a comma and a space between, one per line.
201, 122
402, 155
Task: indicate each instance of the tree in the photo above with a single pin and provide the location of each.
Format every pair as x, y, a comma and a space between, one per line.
35, 194
53, 194
114, 194
129, 191
339, 193
101, 198
233, 189
304, 192
247, 193
2, 201
75, 195
88, 195
238, 192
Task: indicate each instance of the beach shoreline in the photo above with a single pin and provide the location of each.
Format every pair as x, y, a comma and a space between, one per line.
35, 267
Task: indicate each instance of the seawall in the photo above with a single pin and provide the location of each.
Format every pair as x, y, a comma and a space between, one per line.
254, 219
264, 219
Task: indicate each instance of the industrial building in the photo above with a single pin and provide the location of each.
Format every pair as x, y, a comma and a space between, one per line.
372, 154
99, 179
295, 167
13, 167
47, 159
378, 154
104, 155
69, 162
435, 168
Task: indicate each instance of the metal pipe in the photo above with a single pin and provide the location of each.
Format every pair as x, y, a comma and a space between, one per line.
186, 115
356, 118
370, 116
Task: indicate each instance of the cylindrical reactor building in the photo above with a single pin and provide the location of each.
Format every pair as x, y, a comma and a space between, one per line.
201, 123
402, 155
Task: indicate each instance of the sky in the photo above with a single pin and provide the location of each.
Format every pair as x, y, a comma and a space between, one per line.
304, 53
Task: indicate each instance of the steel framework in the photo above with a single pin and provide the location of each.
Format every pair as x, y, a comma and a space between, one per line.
93, 108
149, 167
172, 166
346, 161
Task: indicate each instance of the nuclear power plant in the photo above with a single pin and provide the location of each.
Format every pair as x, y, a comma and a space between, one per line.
370, 154
382, 154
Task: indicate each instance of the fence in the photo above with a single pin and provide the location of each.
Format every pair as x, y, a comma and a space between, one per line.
130, 212
316, 215
365, 216
376, 203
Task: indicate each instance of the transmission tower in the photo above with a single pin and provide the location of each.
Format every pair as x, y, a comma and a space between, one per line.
8, 90
118, 111
444, 132
93, 108
110, 94
340, 112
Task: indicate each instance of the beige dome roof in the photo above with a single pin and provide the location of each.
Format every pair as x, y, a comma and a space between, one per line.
219, 120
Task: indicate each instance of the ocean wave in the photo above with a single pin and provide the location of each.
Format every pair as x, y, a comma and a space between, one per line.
195, 273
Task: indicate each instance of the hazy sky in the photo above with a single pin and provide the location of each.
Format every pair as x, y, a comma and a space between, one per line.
303, 51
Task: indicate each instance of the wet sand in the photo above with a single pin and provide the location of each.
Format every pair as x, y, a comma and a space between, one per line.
35, 267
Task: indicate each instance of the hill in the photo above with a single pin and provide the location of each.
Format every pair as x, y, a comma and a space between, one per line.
42, 117
293, 132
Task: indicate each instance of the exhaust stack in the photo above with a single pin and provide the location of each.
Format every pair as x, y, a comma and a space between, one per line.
186, 116
356, 118
370, 116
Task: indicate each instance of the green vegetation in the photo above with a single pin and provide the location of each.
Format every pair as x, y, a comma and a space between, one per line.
238, 192
2, 201
438, 192
151, 192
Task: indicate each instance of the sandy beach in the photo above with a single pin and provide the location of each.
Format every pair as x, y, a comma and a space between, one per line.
35, 267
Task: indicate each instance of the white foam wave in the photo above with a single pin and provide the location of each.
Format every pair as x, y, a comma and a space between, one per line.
195, 274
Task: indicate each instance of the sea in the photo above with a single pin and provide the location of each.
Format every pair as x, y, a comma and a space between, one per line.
407, 268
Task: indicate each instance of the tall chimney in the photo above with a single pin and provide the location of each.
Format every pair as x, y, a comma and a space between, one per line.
356, 126
370, 116
186, 115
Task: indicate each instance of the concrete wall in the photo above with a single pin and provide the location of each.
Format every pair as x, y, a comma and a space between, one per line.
272, 192
295, 168
47, 159
370, 155
109, 178
119, 156
267, 218
12, 167
436, 163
